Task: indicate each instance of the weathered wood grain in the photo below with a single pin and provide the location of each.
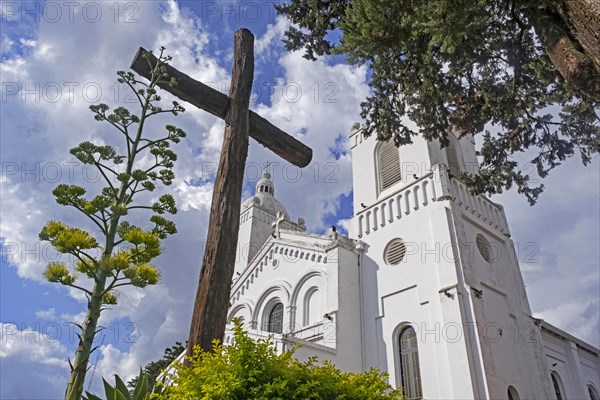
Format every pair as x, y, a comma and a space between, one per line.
216, 103
214, 288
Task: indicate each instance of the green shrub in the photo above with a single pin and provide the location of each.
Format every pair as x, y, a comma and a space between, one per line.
251, 369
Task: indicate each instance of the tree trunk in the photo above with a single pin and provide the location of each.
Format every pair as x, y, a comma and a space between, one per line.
583, 19
570, 35
214, 288
84, 348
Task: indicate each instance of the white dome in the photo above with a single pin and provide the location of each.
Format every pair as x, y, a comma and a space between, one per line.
263, 197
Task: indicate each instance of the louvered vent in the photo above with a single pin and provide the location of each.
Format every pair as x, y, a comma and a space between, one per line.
389, 164
395, 252
484, 247
452, 155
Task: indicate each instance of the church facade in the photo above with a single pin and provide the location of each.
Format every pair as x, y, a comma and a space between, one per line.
426, 287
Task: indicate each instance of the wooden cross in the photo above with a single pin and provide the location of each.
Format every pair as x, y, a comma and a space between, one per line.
214, 288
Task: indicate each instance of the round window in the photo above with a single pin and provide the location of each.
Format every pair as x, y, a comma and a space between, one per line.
394, 252
483, 245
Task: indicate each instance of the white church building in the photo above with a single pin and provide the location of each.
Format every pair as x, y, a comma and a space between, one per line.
426, 287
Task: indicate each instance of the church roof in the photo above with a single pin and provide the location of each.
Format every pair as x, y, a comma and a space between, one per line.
546, 326
311, 243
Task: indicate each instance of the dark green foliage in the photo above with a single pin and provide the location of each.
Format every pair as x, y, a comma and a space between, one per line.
475, 67
154, 368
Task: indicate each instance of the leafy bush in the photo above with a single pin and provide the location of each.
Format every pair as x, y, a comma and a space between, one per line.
251, 369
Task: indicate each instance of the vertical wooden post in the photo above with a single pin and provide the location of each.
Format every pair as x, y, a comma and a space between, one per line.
212, 298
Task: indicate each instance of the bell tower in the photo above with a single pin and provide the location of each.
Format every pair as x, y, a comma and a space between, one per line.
445, 309
257, 214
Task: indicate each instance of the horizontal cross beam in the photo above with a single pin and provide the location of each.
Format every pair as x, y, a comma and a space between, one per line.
217, 103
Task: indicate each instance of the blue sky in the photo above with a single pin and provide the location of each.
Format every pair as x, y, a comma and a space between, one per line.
57, 60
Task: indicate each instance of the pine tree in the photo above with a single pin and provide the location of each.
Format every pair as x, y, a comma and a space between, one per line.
525, 74
154, 368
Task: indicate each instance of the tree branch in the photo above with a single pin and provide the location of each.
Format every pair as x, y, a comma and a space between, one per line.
92, 259
80, 288
159, 112
139, 207
100, 166
110, 286
151, 142
120, 284
134, 91
113, 124
90, 216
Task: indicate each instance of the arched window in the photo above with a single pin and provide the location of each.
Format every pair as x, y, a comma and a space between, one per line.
556, 385
452, 155
312, 310
275, 321
592, 392
409, 364
388, 164
512, 393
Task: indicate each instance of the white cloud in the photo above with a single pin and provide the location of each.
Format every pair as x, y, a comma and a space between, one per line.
303, 104
31, 345
581, 318
49, 314
16, 230
9, 11
32, 363
272, 38
5, 44
27, 42
13, 72
344, 224
197, 197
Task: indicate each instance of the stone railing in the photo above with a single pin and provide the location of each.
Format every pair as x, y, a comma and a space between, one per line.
276, 338
432, 187
480, 207
171, 370
412, 197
